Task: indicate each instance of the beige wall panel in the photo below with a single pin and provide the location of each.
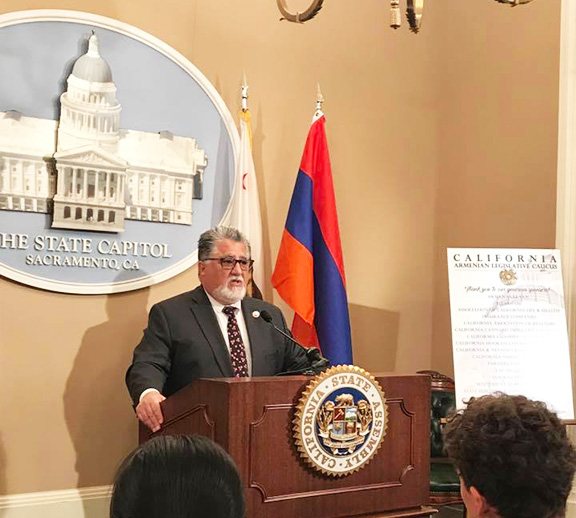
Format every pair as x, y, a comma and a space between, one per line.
435, 142
498, 112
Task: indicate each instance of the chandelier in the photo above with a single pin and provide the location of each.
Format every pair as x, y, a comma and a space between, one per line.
414, 10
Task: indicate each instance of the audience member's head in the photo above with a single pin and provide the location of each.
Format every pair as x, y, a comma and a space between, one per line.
513, 456
178, 477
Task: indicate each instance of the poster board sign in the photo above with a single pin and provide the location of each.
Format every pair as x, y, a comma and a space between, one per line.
509, 329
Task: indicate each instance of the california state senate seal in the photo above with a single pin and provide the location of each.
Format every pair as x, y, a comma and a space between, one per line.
340, 420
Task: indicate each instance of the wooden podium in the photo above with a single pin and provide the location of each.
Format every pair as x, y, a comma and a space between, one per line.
252, 419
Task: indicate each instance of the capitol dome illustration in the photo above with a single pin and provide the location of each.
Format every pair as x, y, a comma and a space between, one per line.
92, 66
98, 175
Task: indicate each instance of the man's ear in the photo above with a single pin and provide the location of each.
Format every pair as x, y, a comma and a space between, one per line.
481, 506
201, 267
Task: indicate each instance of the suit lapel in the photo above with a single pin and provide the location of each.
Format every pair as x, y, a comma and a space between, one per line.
258, 344
204, 314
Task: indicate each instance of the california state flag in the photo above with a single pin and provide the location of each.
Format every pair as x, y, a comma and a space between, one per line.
244, 210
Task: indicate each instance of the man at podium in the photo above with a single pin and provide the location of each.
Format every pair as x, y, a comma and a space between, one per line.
212, 331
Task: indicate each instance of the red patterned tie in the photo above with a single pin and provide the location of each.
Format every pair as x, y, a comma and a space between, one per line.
237, 350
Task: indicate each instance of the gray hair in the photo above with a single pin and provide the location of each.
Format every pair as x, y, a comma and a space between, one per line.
208, 240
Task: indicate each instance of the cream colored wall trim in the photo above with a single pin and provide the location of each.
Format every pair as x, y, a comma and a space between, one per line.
566, 187
90, 502
571, 506
571, 503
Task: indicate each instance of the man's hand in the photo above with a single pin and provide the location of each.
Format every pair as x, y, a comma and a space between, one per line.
149, 412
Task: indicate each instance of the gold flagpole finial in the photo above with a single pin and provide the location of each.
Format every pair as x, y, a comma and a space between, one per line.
244, 93
319, 102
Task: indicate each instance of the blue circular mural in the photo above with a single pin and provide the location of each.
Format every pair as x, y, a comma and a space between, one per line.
106, 182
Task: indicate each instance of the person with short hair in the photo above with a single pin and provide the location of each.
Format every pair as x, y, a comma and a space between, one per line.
213, 331
513, 456
177, 476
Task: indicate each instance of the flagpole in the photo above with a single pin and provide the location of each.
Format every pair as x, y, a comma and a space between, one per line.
244, 93
319, 101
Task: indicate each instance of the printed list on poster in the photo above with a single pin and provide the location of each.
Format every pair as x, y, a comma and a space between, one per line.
509, 325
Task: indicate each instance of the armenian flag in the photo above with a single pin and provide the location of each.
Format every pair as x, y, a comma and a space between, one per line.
309, 272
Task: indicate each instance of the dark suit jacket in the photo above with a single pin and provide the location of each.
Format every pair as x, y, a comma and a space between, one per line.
183, 342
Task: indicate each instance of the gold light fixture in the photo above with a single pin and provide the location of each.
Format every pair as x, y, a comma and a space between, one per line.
414, 10
513, 2
297, 17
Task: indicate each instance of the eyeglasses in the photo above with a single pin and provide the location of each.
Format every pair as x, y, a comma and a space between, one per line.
228, 263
